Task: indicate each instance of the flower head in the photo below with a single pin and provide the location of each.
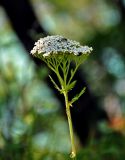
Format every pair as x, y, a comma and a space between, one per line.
57, 45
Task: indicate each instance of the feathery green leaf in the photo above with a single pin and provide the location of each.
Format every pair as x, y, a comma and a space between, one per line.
71, 86
78, 96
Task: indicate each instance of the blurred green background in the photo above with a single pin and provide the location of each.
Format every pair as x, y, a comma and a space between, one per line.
32, 125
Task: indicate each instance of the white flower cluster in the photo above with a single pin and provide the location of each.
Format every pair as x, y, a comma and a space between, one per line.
57, 45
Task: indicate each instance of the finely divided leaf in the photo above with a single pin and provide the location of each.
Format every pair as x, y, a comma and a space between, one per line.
71, 86
78, 96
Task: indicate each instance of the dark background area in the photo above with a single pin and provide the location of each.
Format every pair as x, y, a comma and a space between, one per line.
32, 114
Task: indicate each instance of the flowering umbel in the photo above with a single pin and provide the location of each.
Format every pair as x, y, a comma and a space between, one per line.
58, 53
57, 45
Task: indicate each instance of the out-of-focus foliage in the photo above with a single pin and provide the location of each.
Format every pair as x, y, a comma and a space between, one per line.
31, 123
79, 20
98, 23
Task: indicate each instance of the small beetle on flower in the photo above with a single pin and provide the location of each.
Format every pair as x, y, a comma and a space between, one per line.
58, 53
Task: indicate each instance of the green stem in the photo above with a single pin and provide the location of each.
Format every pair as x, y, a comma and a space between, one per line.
72, 75
73, 151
